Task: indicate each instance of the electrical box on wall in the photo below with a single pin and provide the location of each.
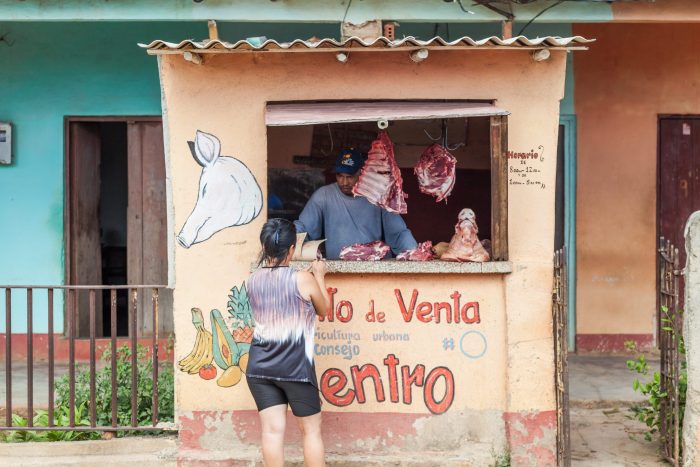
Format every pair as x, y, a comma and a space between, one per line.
5, 143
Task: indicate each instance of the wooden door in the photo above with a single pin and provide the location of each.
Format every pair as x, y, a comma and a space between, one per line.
679, 176
85, 254
679, 184
147, 254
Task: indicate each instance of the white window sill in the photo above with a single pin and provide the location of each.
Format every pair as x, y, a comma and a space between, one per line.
411, 267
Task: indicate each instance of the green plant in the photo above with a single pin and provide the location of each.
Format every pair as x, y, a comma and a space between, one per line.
103, 388
103, 399
501, 460
650, 413
61, 419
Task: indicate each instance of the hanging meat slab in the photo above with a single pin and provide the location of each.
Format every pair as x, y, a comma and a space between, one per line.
373, 251
465, 244
380, 180
436, 172
423, 252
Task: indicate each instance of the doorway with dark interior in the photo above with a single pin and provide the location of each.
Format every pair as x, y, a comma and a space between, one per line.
565, 215
115, 222
678, 181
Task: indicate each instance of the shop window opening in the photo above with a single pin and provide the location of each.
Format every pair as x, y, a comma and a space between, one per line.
301, 159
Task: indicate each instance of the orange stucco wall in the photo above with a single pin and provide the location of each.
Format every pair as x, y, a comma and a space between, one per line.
631, 75
657, 11
512, 383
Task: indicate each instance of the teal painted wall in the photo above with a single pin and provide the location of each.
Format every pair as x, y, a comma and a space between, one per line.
293, 11
53, 70
50, 71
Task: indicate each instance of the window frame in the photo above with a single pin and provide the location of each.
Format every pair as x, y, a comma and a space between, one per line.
498, 159
499, 188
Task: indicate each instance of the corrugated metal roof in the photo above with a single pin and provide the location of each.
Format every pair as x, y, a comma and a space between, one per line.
356, 44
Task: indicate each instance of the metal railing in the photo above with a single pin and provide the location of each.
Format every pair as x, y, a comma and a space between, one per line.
670, 332
561, 378
73, 300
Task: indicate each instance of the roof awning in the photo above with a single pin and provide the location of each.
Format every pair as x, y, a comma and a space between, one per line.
356, 44
362, 111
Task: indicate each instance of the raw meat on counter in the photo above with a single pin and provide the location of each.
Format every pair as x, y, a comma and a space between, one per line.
465, 245
436, 172
373, 251
442, 247
423, 252
380, 179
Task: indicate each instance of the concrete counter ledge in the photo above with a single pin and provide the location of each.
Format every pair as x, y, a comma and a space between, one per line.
410, 267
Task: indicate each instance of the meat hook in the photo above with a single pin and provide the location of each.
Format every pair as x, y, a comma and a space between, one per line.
330, 135
443, 137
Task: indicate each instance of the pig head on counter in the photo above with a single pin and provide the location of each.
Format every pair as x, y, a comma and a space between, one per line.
229, 194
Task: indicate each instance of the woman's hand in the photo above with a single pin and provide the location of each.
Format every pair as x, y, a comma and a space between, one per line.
319, 269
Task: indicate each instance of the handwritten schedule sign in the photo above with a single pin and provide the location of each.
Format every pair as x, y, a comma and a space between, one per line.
525, 168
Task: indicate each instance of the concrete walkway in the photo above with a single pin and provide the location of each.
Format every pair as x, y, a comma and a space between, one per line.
133, 451
602, 381
19, 384
603, 430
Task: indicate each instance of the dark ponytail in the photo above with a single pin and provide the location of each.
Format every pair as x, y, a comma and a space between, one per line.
276, 237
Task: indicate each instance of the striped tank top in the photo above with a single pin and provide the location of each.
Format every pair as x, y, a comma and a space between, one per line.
285, 323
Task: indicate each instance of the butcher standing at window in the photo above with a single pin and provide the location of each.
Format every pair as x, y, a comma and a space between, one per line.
334, 213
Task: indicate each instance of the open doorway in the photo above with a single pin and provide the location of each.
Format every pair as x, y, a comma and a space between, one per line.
565, 215
116, 217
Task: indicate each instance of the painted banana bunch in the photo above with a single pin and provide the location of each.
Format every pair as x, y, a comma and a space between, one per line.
228, 350
202, 354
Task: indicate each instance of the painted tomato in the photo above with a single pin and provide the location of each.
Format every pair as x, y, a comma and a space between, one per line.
207, 372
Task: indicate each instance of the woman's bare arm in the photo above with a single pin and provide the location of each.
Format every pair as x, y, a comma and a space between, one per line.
312, 286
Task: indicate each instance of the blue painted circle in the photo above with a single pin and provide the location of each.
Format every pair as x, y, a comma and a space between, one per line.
461, 346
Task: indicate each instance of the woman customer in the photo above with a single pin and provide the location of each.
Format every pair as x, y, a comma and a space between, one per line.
281, 368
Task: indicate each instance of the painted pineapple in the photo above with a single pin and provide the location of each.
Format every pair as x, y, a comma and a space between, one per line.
241, 315
232, 340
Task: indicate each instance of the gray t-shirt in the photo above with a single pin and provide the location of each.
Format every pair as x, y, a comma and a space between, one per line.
344, 220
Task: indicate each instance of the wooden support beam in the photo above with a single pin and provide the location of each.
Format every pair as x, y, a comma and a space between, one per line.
499, 187
193, 57
213, 30
506, 29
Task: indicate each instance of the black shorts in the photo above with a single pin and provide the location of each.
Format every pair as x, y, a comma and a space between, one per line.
302, 397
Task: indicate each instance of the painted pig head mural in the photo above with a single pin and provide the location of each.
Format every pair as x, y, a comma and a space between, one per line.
229, 194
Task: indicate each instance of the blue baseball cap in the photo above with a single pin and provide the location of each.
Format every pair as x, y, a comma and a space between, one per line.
349, 161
